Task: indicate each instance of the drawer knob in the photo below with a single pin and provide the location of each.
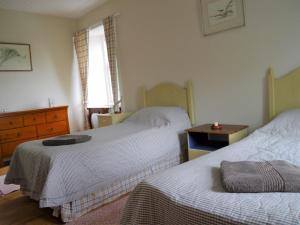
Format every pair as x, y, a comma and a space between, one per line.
11, 123
34, 119
18, 134
51, 129
55, 116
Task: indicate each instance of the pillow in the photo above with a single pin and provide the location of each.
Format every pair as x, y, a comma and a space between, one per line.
151, 116
286, 123
161, 116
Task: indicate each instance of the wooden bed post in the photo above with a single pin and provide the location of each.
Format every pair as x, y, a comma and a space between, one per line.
190, 101
271, 89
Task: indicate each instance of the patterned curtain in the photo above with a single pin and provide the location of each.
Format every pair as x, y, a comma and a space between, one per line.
81, 47
110, 36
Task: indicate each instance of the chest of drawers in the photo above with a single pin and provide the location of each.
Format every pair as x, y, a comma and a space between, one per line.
19, 127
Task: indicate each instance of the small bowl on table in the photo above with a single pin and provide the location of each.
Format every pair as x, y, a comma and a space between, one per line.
216, 127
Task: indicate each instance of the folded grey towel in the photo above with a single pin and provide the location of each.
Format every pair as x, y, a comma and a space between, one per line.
67, 140
267, 176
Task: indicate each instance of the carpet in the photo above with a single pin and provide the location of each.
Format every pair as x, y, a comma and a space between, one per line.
6, 189
109, 214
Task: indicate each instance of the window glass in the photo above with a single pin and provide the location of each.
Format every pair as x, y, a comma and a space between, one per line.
99, 80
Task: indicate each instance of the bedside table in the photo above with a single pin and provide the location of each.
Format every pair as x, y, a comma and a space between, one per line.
110, 119
203, 139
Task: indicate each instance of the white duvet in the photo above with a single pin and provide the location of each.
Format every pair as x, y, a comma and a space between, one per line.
61, 174
197, 184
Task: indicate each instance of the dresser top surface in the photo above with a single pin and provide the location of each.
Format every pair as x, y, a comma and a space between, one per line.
30, 111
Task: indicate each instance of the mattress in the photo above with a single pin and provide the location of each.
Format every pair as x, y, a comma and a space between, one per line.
192, 193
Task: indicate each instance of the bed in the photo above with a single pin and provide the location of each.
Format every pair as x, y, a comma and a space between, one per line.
75, 179
192, 193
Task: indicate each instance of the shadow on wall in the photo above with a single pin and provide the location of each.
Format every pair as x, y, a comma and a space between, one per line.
75, 107
140, 98
265, 99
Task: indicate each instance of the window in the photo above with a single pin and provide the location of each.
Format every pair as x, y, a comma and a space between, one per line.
100, 93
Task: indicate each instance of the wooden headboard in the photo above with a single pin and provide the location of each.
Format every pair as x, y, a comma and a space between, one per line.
169, 94
284, 92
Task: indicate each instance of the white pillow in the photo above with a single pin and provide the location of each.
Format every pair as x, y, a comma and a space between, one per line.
286, 123
151, 116
161, 116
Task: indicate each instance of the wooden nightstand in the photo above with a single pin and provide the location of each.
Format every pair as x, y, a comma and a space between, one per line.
110, 119
203, 139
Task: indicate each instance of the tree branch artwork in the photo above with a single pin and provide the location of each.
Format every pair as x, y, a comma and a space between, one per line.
15, 57
220, 15
7, 54
223, 13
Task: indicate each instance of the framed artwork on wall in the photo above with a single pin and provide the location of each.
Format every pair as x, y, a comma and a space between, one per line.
15, 57
220, 15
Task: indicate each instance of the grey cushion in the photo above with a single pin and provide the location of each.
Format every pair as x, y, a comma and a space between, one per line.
67, 140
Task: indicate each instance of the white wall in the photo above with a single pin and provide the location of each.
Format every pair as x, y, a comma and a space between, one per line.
54, 75
161, 40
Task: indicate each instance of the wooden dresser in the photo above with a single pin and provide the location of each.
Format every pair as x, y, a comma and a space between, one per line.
22, 126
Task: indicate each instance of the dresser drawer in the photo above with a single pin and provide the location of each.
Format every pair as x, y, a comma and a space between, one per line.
17, 134
52, 128
33, 119
11, 122
57, 115
9, 148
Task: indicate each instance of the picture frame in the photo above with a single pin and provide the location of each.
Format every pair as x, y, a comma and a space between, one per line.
15, 57
221, 15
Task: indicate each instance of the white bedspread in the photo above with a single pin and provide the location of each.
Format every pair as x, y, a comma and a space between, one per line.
61, 174
192, 193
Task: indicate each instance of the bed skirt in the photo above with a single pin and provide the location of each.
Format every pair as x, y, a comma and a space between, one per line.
72, 210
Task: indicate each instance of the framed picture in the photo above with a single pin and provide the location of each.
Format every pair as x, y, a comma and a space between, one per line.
220, 15
15, 57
